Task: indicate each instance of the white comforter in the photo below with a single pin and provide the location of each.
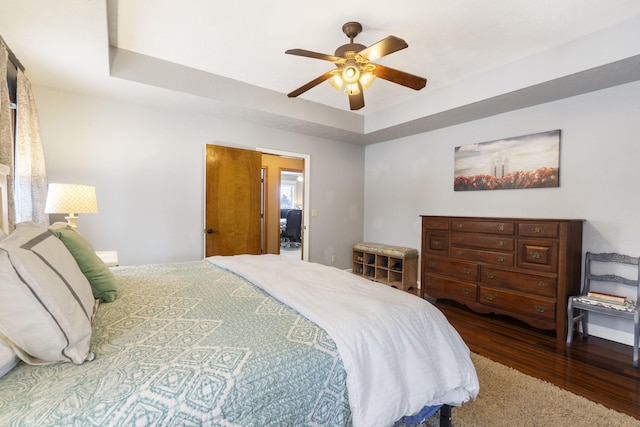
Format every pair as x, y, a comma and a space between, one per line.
399, 352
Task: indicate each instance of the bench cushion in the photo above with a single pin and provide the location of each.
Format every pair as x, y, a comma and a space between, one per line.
396, 251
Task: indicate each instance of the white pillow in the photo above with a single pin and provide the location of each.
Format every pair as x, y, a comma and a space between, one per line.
47, 304
8, 358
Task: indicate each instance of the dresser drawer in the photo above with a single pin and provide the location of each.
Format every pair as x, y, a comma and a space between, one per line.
492, 227
483, 241
496, 258
465, 293
539, 308
539, 229
538, 254
538, 285
449, 267
435, 223
437, 243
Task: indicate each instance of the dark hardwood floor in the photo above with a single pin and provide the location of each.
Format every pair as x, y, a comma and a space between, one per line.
598, 369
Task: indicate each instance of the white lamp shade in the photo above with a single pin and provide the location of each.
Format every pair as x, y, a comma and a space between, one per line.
71, 198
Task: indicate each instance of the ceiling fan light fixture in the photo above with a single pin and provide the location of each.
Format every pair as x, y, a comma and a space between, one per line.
350, 72
352, 88
366, 79
336, 81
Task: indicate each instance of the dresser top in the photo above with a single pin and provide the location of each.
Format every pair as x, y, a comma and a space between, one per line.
491, 218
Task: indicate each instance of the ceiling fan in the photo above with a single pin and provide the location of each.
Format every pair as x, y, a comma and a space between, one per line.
355, 70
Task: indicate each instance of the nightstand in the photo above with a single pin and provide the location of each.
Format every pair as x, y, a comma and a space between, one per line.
110, 258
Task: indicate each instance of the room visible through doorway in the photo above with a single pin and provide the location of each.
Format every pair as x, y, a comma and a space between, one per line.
287, 183
291, 191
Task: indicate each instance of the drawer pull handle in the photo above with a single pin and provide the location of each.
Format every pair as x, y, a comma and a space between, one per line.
536, 255
491, 275
436, 224
436, 243
466, 270
432, 264
500, 259
459, 253
490, 297
500, 227
540, 308
460, 239
537, 230
466, 291
500, 243
460, 226
542, 284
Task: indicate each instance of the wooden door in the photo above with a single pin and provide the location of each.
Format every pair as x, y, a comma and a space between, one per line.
232, 201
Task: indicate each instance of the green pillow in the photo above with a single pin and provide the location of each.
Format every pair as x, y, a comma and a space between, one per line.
102, 280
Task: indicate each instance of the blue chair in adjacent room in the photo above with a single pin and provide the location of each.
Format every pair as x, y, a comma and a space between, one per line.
293, 229
283, 213
594, 298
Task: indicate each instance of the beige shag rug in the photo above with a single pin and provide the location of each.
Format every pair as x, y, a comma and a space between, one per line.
509, 398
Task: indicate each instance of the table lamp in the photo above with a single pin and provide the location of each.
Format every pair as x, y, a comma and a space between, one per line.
71, 199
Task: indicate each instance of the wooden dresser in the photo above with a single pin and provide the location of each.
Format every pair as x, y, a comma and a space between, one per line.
523, 268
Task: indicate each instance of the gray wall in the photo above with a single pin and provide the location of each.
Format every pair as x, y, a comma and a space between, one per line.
148, 168
599, 154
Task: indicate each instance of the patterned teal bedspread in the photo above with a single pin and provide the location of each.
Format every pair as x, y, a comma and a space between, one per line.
187, 344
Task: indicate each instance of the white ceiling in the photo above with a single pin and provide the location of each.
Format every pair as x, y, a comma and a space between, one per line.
227, 58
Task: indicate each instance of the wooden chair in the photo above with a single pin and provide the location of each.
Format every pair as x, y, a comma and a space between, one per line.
583, 304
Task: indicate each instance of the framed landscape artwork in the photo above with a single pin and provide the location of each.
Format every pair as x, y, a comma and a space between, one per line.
529, 161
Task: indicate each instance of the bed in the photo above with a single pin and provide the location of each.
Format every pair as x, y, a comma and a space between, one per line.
226, 341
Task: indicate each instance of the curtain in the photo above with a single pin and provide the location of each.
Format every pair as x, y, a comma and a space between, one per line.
30, 173
6, 132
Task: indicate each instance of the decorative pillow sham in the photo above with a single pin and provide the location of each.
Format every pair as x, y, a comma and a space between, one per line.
103, 282
47, 305
8, 358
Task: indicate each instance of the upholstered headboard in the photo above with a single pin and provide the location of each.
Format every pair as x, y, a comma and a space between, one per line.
4, 205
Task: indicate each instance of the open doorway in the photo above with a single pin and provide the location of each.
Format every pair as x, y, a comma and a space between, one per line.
292, 166
259, 201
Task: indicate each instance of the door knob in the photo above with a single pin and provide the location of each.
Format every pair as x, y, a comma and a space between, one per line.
211, 231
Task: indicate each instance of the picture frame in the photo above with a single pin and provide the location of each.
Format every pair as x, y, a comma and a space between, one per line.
527, 161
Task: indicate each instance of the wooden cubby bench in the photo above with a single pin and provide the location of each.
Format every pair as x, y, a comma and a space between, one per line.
395, 266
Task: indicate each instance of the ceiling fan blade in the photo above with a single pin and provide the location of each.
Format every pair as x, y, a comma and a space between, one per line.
399, 77
356, 102
383, 47
316, 55
313, 83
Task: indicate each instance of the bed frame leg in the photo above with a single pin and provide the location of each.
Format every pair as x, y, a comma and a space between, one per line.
445, 416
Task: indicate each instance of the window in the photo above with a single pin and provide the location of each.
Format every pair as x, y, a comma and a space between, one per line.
287, 196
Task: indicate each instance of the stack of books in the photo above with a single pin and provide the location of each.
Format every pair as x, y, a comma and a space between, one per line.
612, 299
